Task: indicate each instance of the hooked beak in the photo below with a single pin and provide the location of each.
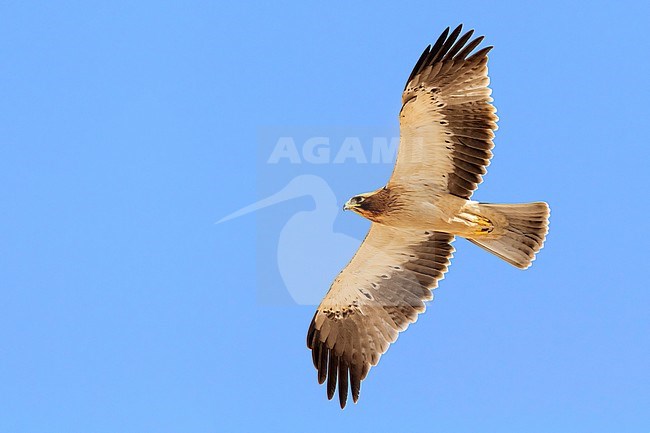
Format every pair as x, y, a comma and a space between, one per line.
348, 205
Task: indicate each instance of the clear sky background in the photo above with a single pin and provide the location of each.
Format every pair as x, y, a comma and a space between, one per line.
128, 128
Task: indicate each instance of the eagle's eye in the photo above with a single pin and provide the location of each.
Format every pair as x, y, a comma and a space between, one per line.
359, 199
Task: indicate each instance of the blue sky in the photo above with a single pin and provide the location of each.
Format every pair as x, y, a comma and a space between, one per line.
127, 130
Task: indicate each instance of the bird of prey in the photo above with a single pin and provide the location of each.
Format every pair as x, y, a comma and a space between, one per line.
446, 130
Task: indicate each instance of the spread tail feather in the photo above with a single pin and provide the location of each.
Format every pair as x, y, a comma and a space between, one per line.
522, 232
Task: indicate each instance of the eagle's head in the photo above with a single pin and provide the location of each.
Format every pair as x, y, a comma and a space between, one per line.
371, 205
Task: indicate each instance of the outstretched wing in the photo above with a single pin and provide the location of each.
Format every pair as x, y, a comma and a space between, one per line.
378, 294
447, 119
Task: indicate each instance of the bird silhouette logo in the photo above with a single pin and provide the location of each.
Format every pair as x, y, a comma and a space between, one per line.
309, 251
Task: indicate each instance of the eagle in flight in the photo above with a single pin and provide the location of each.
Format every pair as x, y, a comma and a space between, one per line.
446, 130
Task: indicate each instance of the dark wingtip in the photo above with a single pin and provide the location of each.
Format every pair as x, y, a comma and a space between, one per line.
343, 382
425, 57
322, 364
356, 370
460, 43
332, 370
480, 53
311, 331
448, 46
